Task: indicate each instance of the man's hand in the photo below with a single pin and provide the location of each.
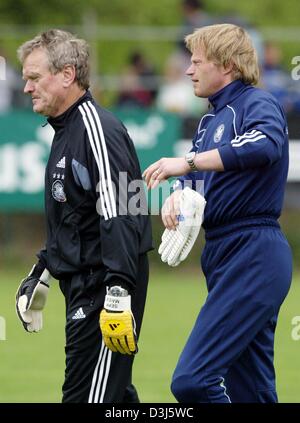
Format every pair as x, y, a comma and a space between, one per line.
164, 169
177, 243
117, 322
171, 210
31, 298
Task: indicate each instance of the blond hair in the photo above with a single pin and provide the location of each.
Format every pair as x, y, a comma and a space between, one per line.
227, 44
62, 48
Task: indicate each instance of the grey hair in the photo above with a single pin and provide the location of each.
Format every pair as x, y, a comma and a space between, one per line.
62, 48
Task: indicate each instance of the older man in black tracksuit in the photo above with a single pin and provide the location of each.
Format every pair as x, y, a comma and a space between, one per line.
98, 230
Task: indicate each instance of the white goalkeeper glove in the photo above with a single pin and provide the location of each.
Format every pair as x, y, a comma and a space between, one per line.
31, 298
176, 244
117, 322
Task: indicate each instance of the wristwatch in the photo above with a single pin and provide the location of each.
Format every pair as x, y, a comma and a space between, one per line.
117, 291
189, 157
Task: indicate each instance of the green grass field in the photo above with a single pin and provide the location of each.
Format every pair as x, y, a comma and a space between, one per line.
32, 365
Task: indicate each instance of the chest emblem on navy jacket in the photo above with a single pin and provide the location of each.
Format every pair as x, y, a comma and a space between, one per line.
219, 133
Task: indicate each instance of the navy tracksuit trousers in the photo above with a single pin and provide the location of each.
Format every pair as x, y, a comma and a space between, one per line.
229, 354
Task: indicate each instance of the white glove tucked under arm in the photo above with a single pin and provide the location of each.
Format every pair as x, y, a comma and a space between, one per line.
176, 244
31, 298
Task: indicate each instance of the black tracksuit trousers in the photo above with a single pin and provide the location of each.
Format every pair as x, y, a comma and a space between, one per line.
93, 373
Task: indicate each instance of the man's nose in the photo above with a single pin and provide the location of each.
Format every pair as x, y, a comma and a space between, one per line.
28, 87
190, 70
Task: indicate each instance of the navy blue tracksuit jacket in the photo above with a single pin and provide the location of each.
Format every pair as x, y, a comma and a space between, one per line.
246, 260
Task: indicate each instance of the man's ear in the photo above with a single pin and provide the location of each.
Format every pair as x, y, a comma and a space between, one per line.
228, 68
69, 75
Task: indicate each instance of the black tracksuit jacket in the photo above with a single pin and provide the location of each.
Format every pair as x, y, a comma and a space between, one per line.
83, 171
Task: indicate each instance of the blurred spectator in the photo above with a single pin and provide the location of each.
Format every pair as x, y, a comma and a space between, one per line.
138, 85
7, 85
277, 80
176, 94
194, 16
11, 87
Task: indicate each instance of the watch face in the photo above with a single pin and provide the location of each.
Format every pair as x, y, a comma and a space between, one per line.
190, 156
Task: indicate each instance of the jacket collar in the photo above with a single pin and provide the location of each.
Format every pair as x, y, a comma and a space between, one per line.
58, 122
227, 94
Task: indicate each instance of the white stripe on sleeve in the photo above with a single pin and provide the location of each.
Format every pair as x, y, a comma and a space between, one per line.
105, 155
101, 189
251, 136
94, 130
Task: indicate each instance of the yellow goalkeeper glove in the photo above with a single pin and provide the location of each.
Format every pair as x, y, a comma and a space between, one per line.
117, 322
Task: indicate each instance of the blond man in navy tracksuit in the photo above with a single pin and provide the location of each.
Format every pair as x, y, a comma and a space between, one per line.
240, 150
